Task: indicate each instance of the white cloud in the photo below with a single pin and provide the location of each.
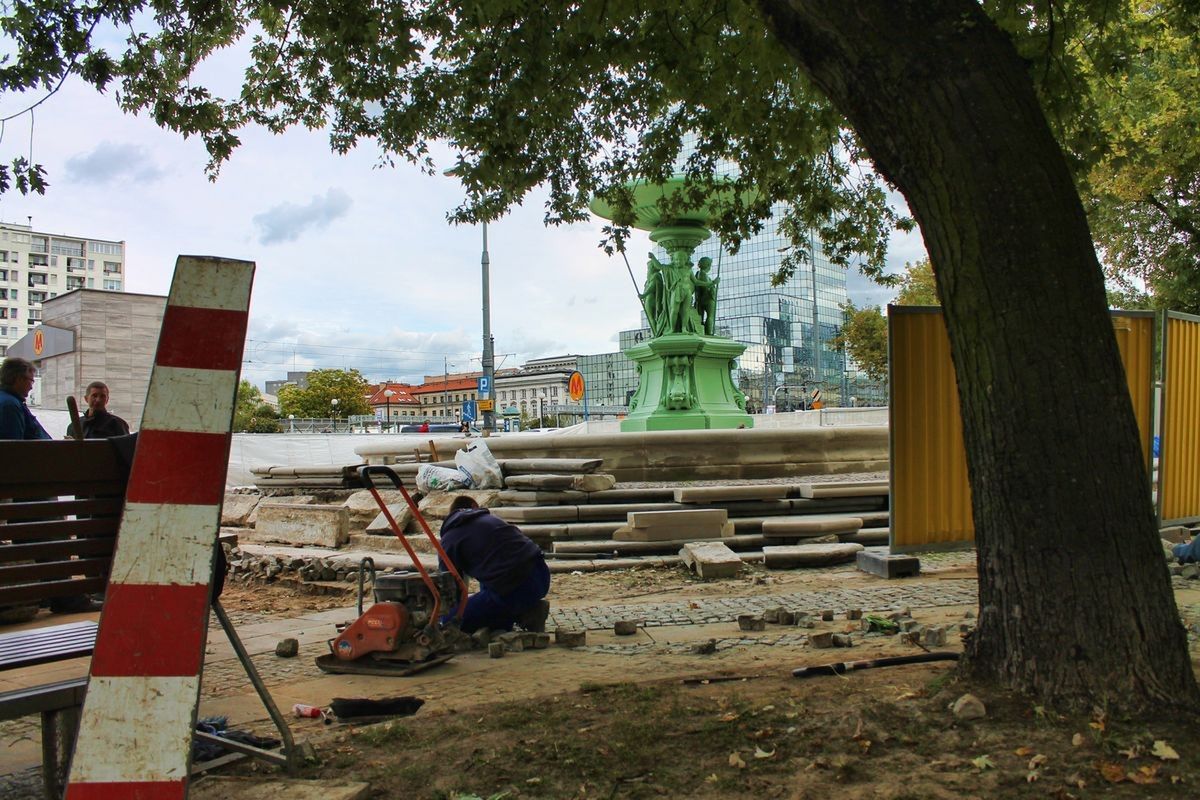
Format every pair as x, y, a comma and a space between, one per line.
112, 162
286, 222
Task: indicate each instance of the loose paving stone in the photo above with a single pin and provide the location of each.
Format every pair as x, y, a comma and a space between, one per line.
625, 627
934, 636
541, 641
854, 613
596, 482
821, 640
751, 622
842, 640
827, 615
786, 617
566, 637
287, 648
496, 649
705, 648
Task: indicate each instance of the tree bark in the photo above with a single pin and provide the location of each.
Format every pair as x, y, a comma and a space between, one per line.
1076, 606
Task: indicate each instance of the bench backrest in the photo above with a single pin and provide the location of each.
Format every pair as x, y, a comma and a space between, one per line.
60, 507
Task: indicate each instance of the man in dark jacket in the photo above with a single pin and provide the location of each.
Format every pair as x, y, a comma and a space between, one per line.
511, 570
97, 422
16, 420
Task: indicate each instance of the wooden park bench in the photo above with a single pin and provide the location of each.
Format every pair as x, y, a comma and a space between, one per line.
60, 510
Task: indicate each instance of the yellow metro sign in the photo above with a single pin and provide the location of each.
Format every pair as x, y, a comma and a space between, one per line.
575, 386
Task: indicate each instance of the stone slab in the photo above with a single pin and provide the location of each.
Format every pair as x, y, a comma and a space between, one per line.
811, 525
399, 511
711, 560
595, 482
538, 513
419, 542
296, 500
237, 508
720, 494
437, 504
844, 489
875, 519
809, 555
869, 537
593, 512
533, 466
363, 509
273, 787
698, 516
648, 494
539, 482
673, 533
888, 565
289, 523
632, 548
522, 497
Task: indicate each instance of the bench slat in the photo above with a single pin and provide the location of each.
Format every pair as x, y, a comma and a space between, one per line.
94, 546
42, 489
43, 645
14, 574
25, 462
48, 697
59, 529
34, 593
60, 508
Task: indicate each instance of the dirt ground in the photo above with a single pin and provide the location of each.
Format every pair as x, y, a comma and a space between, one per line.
671, 723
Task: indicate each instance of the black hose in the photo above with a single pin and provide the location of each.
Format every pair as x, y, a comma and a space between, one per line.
842, 667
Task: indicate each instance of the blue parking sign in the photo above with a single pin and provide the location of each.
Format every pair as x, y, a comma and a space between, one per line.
485, 386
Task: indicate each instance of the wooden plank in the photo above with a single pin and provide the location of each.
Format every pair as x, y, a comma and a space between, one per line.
22, 462
14, 574
59, 529
100, 546
37, 592
48, 697
42, 488
87, 506
44, 645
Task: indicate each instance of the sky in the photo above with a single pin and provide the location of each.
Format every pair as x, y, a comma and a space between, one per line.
357, 266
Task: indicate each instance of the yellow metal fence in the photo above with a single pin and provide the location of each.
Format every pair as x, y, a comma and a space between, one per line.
1179, 455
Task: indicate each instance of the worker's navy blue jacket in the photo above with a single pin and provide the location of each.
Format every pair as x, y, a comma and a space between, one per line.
487, 548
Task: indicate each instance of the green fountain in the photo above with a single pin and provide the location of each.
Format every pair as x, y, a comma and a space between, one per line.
684, 371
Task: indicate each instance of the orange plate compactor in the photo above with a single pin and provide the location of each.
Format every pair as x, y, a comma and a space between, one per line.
402, 632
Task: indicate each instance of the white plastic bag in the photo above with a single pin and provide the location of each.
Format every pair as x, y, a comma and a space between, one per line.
432, 478
477, 461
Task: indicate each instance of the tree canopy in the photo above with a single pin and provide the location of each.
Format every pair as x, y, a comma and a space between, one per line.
252, 414
864, 331
315, 401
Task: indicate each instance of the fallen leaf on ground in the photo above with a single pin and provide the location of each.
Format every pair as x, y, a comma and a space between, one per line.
1077, 739
1164, 751
983, 762
1037, 761
1113, 773
1145, 775
1023, 751
760, 753
735, 760
730, 717
1032, 776
712, 778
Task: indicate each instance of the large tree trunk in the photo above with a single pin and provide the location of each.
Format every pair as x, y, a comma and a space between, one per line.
1075, 601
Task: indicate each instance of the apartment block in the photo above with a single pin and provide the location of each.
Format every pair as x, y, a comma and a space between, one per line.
36, 266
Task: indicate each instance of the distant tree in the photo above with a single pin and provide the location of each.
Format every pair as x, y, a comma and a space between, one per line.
918, 287
864, 330
324, 385
864, 337
253, 414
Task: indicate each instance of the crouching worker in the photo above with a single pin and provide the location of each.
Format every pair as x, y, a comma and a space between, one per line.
511, 570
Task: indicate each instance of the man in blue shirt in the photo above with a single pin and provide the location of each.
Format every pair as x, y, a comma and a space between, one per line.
511, 570
16, 420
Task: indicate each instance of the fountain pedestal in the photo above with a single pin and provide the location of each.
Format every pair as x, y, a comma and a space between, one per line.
684, 383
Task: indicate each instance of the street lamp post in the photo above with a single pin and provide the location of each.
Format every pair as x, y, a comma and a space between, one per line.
387, 399
333, 412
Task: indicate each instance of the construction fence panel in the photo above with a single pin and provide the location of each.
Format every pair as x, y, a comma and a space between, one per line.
1179, 454
930, 492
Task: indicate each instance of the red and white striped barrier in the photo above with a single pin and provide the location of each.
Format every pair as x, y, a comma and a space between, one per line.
135, 736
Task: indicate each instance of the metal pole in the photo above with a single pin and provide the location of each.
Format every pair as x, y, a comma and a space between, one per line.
812, 262
489, 356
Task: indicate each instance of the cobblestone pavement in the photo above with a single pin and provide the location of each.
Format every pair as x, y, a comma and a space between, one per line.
726, 609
